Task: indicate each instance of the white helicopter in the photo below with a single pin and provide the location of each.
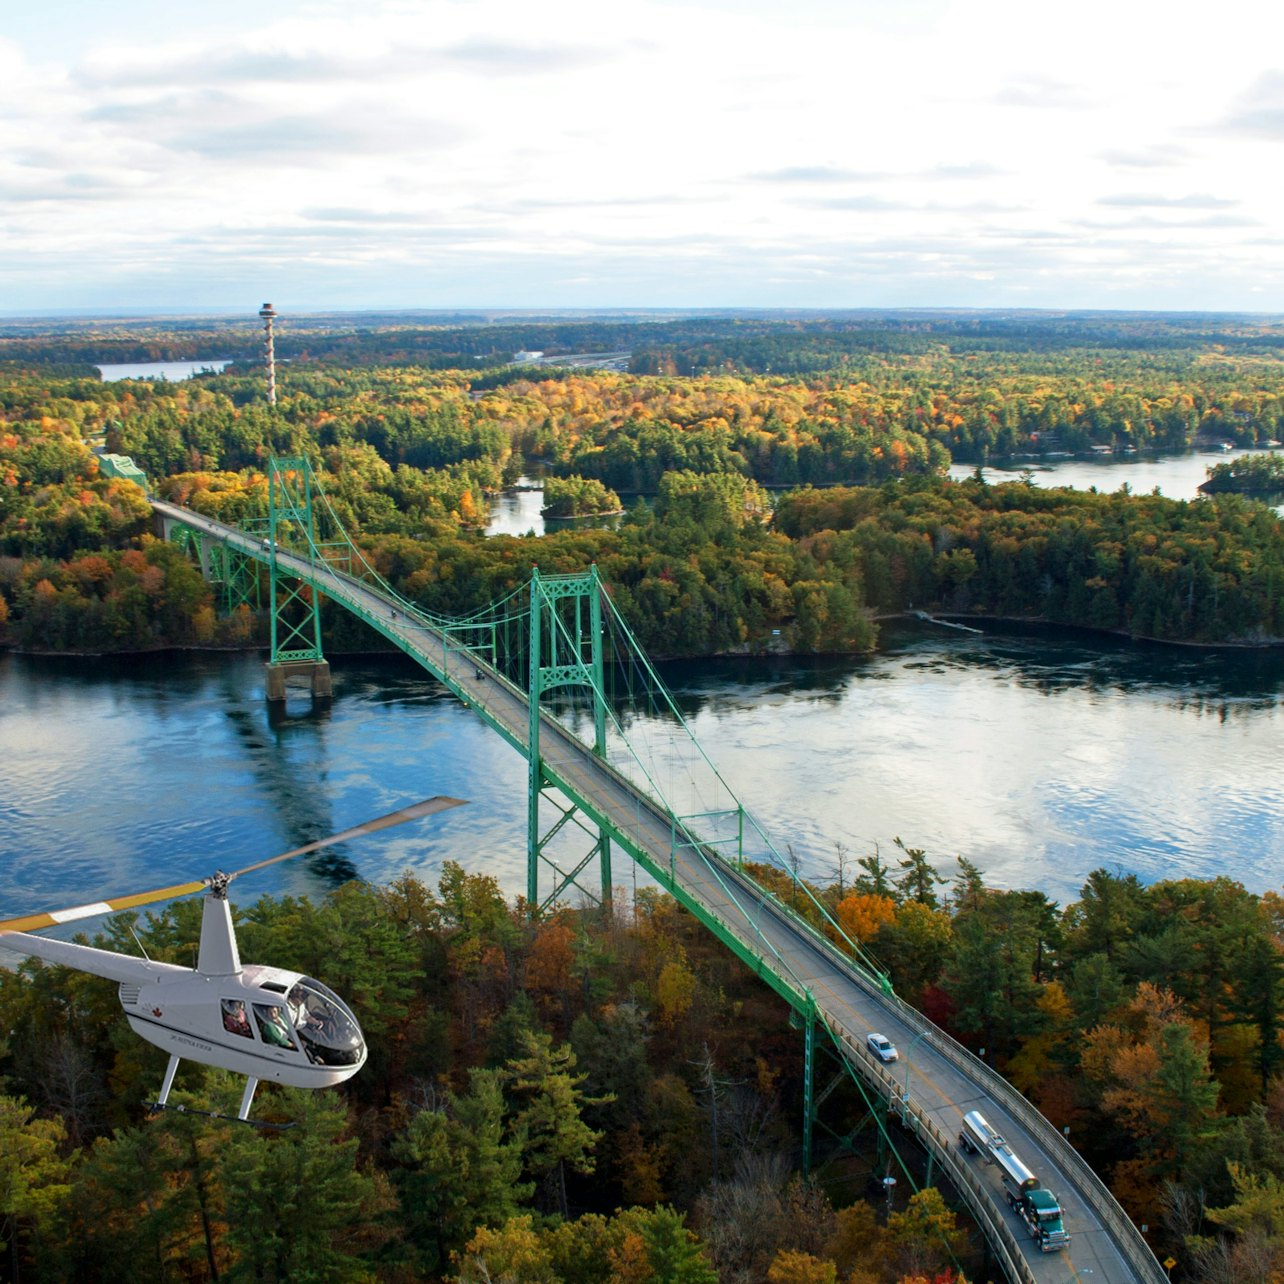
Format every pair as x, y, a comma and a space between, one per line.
262, 1022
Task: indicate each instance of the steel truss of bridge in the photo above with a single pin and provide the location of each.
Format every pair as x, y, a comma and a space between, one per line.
699, 858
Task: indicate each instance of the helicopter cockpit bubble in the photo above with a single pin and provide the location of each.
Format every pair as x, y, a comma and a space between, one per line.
325, 1025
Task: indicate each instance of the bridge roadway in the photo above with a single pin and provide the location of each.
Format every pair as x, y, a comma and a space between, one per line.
934, 1082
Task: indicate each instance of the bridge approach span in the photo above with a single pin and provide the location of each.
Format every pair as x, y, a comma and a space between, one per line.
936, 1080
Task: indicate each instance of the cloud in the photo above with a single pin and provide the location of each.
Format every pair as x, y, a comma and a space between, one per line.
1143, 200
48, 182
202, 104
860, 203
816, 174
1146, 222
1260, 113
1156, 156
269, 67
353, 214
478, 151
1042, 92
516, 58
930, 207
221, 125
58, 190
804, 174
533, 204
976, 169
314, 139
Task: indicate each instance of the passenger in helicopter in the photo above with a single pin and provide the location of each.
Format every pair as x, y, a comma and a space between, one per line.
234, 1019
272, 1026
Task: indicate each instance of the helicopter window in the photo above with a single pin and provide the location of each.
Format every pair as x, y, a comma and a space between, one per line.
273, 1026
234, 1019
328, 1031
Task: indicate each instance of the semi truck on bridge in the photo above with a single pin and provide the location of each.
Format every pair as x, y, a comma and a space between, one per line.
1038, 1208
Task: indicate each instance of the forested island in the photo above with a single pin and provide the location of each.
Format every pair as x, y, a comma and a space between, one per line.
578, 497
1250, 475
599, 1096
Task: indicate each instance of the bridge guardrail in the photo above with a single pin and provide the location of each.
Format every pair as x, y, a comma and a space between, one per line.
1090, 1187
985, 1208
1125, 1234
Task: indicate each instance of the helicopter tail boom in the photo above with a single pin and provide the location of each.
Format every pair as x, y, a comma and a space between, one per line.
105, 963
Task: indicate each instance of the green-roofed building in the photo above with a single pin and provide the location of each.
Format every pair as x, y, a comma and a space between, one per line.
122, 466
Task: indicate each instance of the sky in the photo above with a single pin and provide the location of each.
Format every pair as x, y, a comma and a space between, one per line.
162, 157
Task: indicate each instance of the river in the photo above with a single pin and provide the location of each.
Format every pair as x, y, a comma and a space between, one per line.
1173, 476
165, 371
1037, 754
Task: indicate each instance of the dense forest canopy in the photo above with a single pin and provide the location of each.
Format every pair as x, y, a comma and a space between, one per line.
544, 1091
409, 456
609, 1096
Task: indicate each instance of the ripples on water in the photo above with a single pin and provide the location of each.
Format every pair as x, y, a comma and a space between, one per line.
1038, 755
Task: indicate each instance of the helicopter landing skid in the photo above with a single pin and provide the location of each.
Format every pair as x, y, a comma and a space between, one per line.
242, 1117
157, 1106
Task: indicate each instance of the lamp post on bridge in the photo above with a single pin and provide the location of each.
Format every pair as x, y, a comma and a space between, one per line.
889, 1186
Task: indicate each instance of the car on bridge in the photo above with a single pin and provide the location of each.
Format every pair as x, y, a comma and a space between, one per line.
882, 1047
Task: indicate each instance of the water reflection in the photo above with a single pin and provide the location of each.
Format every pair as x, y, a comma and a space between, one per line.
165, 371
1038, 754
521, 512
1043, 659
307, 810
1175, 476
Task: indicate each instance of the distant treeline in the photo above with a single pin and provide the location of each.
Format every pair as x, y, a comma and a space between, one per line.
409, 458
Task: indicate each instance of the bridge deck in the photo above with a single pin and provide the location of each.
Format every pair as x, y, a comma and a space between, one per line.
935, 1081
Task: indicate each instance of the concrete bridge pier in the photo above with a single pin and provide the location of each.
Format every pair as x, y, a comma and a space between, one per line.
316, 671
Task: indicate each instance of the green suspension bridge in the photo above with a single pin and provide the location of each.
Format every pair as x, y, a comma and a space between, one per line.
553, 669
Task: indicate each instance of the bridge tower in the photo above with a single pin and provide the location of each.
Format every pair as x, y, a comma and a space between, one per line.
565, 650
296, 614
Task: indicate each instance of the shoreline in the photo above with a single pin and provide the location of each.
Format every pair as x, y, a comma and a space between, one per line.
946, 619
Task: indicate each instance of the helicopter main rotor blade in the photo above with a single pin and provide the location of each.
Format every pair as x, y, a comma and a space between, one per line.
33, 922
426, 808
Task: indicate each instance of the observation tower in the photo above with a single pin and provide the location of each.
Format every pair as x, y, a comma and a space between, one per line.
268, 313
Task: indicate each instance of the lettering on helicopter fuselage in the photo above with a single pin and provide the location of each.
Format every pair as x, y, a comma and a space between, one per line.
193, 1043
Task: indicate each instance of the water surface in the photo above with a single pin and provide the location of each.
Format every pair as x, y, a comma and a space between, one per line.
1173, 476
1039, 755
166, 371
